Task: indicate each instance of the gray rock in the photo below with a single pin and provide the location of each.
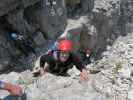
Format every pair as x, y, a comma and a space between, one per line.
5, 58
53, 18
112, 82
130, 95
39, 38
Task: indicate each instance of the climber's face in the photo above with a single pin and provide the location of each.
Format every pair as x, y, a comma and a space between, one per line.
64, 56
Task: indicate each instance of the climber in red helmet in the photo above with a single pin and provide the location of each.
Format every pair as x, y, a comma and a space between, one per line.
59, 61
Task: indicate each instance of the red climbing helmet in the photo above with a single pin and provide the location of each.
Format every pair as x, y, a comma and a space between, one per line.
65, 45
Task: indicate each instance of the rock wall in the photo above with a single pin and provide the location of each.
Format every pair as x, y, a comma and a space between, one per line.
110, 78
104, 26
29, 18
53, 18
7, 6
108, 18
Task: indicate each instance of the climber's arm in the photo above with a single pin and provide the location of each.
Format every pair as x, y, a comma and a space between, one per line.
12, 89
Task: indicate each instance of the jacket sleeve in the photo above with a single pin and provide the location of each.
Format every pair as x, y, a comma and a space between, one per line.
43, 60
2, 84
78, 63
46, 59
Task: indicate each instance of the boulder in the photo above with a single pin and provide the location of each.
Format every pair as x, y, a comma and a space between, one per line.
5, 5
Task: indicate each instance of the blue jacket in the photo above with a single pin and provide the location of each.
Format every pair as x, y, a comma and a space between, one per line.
1, 84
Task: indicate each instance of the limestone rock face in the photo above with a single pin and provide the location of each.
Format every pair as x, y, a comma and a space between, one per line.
7, 6
49, 18
110, 78
5, 55
28, 17
96, 24
53, 18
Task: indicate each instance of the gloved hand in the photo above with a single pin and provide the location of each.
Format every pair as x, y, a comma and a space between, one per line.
13, 89
84, 75
39, 71
36, 70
